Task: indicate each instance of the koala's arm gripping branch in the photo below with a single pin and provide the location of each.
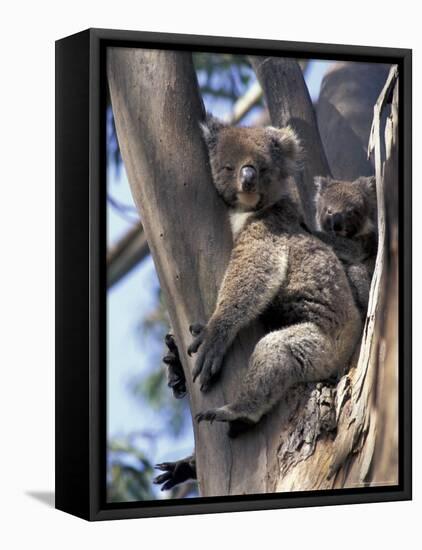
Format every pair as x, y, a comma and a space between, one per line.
245, 293
255, 274
157, 109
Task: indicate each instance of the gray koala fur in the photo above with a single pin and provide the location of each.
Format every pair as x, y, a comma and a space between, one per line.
346, 219
277, 271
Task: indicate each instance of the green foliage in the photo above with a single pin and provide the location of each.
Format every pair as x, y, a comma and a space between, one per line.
153, 391
220, 76
223, 75
156, 323
129, 472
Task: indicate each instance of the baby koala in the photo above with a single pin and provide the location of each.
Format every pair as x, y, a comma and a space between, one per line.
346, 219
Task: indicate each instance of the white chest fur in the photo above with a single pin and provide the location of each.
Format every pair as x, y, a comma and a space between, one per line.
238, 220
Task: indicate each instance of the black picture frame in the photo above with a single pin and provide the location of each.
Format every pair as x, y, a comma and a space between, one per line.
81, 277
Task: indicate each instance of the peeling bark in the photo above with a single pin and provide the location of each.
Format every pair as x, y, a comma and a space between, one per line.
364, 451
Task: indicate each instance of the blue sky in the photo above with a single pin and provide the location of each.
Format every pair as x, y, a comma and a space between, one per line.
128, 301
129, 354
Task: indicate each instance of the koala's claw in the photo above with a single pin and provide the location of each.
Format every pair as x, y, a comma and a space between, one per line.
175, 375
193, 348
170, 358
196, 329
238, 424
221, 414
165, 466
206, 415
208, 365
167, 478
170, 342
210, 358
175, 473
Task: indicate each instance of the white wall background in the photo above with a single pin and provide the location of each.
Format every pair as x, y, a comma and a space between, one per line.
27, 274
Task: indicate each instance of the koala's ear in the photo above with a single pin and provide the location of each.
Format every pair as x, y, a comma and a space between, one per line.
321, 183
210, 128
369, 184
287, 141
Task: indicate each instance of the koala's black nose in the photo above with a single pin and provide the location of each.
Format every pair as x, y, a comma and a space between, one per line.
337, 222
248, 177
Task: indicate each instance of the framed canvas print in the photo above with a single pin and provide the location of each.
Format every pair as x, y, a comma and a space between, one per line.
233, 229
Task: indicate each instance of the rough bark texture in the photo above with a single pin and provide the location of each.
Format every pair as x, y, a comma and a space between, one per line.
321, 436
157, 109
289, 103
364, 449
133, 246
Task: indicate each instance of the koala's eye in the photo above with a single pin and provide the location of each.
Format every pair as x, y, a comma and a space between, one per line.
263, 169
228, 168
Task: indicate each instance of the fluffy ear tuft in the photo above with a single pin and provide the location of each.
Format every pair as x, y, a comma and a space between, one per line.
368, 184
321, 183
210, 128
289, 144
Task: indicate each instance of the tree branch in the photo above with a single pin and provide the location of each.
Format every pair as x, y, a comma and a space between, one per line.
157, 109
349, 92
369, 425
245, 103
289, 103
131, 249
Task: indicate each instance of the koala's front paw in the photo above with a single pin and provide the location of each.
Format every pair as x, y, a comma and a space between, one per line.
197, 331
175, 473
175, 375
210, 358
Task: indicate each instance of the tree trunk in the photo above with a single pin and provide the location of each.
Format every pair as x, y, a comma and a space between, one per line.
157, 109
289, 103
362, 450
344, 109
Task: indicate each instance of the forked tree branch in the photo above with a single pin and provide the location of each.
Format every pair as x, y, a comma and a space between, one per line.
133, 247
157, 108
122, 257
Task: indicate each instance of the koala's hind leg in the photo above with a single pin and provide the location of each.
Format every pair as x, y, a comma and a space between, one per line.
299, 353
